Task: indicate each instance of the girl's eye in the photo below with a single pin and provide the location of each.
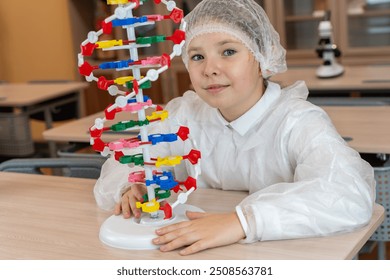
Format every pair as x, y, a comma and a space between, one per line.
196, 57
229, 52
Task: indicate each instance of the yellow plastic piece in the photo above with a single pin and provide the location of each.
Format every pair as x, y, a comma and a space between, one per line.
123, 80
116, 2
109, 44
148, 207
169, 161
158, 115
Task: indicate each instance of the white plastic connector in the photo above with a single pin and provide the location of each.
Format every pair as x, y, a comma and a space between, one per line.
99, 123
80, 59
171, 5
92, 37
113, 90
121, 101
152, 74
90, 78
120, 12
106, 151
177, 50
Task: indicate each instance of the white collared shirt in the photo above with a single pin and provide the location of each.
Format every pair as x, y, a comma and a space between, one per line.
246, 121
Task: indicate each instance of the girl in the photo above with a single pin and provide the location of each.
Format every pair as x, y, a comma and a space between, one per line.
303, 179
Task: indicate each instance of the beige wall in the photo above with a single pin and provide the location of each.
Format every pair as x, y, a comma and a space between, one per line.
35, 41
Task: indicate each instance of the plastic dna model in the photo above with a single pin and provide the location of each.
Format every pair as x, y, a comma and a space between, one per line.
130, 99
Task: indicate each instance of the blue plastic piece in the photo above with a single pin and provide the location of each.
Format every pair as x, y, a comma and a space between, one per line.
165, 181
158, 138
128, 21
171, 137
149, 182
134, 100
116, 64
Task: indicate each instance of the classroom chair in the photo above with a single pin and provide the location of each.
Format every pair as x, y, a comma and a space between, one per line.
15, 135
69, 167
382, 234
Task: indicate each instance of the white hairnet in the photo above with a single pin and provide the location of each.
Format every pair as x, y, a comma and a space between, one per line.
243, 19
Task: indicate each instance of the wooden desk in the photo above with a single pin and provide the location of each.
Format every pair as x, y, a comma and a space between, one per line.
26, 99
358, 86
78, 130
29, 94
367, 78
367, 126
49, 217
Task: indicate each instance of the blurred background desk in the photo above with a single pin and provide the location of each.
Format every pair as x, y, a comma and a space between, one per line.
367, 126
65, 222
359, 85
20, 101
77, 131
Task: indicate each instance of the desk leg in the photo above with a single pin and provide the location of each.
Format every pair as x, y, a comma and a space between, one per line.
49, 124
80, 104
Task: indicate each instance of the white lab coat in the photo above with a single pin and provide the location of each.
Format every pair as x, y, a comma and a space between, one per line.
303, 179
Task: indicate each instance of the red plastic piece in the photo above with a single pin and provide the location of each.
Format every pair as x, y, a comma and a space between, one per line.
85, 69
176, 15
165, 60
183, 132
157, 1
135, 86
110, 115
159, 108
177, 37
95, 132
118, 155
167, 211
87, 49
190, 183
107, 27
177, 189
103, 83
193, 156
98, 145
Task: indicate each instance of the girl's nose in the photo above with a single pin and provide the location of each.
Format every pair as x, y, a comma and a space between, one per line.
211, 67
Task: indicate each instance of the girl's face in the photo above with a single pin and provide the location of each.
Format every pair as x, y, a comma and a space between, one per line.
224, 73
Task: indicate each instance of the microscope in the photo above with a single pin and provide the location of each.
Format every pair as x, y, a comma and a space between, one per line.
328, 51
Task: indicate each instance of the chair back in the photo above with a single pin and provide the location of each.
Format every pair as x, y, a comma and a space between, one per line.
382, 177
69, 167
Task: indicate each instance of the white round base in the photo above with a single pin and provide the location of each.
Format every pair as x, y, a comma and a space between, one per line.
134, 234
330, 71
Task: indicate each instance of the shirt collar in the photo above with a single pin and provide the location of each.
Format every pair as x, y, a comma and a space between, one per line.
247, 120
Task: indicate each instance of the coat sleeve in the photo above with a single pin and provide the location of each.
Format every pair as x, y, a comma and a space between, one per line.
333, 189
111, 183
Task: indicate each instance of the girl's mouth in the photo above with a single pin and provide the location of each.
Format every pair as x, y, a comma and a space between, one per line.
215, 88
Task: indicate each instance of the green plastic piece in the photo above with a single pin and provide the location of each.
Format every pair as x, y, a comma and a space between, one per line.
147, 84
162, 194
159, 194
121, 126
150, 40
137, 159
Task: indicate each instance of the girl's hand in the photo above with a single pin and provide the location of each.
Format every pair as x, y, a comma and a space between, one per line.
201, 232
129, 198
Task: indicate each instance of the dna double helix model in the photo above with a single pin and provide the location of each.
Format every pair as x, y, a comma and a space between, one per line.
129, 99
